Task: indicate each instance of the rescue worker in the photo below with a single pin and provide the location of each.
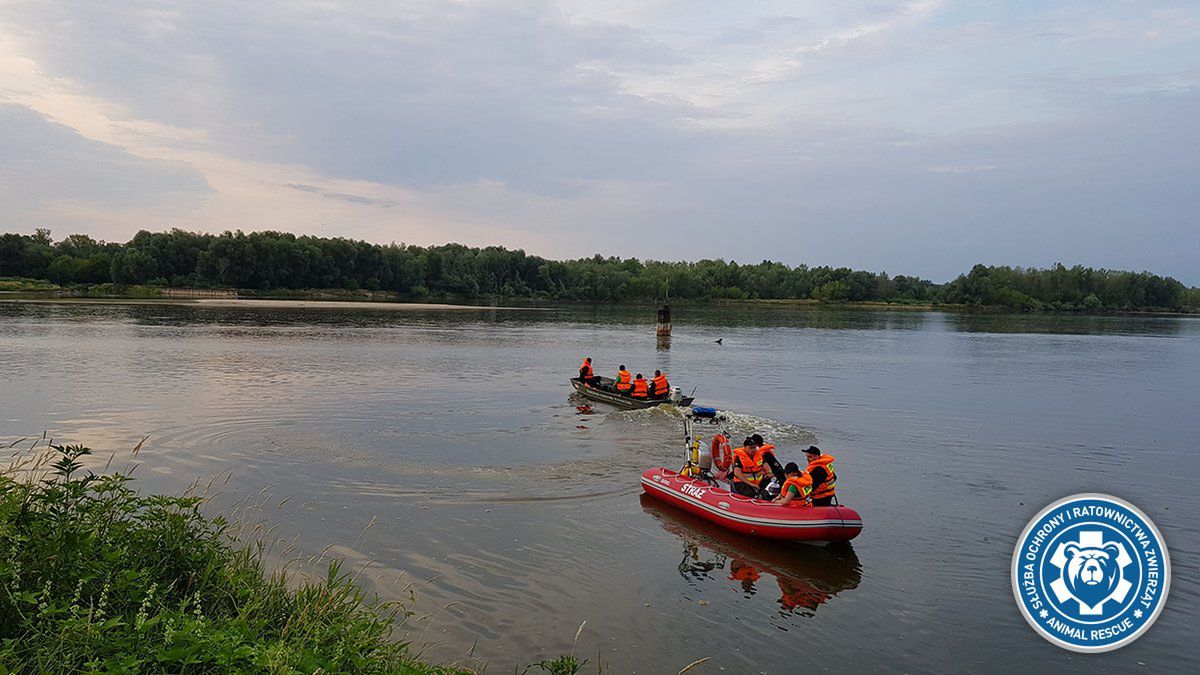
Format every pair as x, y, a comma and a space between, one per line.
797, 486
641, 388
820, 468
586, 374
660, 385
769, 459
748, 470
623, 380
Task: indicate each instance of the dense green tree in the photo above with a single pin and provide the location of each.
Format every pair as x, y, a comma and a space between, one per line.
279, 260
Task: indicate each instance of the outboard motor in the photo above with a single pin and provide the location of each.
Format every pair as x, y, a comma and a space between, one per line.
773, 489
675, 396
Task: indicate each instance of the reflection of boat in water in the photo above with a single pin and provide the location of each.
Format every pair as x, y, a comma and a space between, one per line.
604, 393
807, 576
755, 517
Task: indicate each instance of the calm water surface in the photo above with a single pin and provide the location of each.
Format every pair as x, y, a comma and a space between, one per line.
514, 518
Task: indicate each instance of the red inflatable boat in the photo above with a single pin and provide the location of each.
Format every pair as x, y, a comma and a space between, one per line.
754, 517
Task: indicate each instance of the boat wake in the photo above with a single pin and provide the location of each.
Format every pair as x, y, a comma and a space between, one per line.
740, 424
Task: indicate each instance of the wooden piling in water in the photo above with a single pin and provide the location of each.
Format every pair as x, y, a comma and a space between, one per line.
663, 329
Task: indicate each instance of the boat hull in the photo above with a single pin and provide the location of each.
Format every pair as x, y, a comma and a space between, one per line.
753, 517
613, 398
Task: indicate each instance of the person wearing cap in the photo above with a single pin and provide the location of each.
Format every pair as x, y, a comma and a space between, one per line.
820, 468
797, 486
747, 469
767, 451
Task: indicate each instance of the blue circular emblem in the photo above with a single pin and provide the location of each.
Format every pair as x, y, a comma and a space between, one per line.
1091, 573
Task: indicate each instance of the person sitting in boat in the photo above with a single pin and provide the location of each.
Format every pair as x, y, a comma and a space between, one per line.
659, 387
641, 388
586, 374
797, 487
769, 459
820, 467
623, 381
748, 471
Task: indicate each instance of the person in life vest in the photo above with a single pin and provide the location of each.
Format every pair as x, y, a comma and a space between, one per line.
769, 460
586, 374
748, 470
659, 385
624, 380
641, 388
797, 486
820, 467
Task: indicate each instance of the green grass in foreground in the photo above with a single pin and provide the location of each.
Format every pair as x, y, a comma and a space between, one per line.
95, 577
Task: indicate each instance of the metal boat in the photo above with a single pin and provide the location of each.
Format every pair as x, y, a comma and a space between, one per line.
603, 391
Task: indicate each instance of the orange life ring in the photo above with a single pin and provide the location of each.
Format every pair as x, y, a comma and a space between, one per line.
722, 453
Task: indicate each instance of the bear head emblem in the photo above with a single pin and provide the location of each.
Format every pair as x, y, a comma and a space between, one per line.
1092, 573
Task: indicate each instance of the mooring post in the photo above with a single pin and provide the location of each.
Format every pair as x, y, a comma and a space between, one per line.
664, 322
663, 329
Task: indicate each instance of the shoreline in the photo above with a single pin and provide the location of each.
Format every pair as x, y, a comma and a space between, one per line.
328, 300
259, 303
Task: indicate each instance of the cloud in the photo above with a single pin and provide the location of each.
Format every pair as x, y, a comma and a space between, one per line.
918, 138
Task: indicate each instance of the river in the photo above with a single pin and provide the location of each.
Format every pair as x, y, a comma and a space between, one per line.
513, 517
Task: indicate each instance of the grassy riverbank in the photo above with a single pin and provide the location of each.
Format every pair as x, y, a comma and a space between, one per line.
96, 577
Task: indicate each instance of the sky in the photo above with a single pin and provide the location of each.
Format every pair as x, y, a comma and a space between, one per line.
909, 137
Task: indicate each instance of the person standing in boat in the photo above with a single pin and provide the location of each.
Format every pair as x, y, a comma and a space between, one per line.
623, 381
797, 487
586, 374
659, 385
641, 388
820, 467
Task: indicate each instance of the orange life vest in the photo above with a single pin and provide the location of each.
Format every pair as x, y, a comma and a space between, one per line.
825, 487
641, 388
661, 385
623, 379
586, 370
803, 485
751, 465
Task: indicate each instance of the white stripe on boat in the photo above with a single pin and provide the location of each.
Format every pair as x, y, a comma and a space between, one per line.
751, 520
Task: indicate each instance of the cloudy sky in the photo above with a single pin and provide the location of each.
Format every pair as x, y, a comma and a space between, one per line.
917, 137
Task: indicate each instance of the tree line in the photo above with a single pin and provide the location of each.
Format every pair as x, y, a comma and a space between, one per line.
269, 261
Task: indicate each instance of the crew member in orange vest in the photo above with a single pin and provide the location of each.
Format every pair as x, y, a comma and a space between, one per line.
661, 386
623, 381
797, 486
641, 388
586, 374
820, 467
769, 459
748, 471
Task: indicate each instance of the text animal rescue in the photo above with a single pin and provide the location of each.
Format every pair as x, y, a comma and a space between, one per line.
1139, 534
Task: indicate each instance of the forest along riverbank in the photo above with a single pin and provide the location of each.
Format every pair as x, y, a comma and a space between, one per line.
516, 518
275, 262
